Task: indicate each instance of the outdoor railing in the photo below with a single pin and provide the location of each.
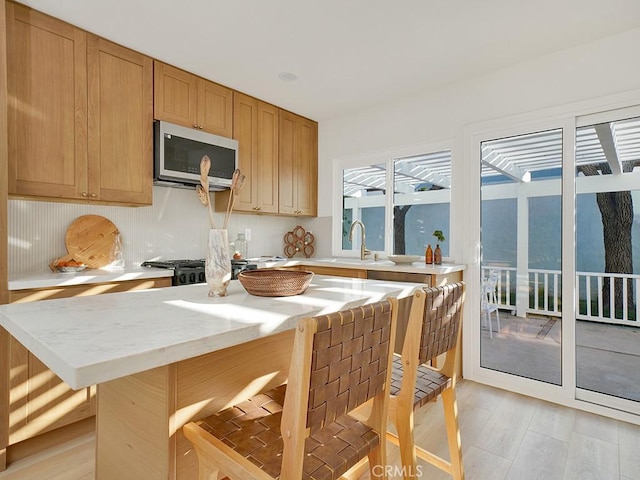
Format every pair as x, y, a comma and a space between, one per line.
608, 297
545, 294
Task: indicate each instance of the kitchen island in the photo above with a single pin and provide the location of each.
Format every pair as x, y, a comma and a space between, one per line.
166, 356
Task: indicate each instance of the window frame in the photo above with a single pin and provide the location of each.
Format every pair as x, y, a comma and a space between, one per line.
387, 158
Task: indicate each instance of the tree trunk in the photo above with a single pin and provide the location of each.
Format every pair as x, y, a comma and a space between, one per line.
399, 217
616, 210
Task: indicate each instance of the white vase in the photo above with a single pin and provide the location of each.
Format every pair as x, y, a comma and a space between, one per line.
217, 268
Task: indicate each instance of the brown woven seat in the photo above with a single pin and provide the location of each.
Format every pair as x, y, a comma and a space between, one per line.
434, 329
429, 383
302, 431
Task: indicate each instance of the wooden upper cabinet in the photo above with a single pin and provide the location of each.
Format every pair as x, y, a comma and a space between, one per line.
191, 101
80, 113
298, 165
255, 126
120, 134
267, 172
214, 108
175, 95
47, 109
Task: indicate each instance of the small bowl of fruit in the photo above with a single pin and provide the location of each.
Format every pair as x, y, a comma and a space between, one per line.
68, 266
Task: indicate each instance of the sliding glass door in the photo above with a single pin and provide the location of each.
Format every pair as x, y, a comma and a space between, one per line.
607, 339
521, 265
557, 270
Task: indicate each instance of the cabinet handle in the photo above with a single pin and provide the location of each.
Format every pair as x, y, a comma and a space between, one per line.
200, 127
93, 195
84, 194
195, 125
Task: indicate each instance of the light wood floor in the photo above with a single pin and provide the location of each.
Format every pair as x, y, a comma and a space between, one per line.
504, 436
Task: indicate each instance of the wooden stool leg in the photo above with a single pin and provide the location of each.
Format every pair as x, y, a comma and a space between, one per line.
404, 425
453, 432
377, 461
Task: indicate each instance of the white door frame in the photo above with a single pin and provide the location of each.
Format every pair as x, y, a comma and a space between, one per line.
559, 117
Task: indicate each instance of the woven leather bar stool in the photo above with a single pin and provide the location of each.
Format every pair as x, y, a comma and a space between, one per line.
303, 431
434, 329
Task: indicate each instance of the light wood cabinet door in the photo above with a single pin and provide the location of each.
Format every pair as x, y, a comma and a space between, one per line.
255, 126
215, 108
185, 99
175, 95
245, 130
298, 165
47, 110
267, 171
120, 134
39, 401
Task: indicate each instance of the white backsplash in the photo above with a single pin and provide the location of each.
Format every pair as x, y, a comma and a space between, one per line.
174, 227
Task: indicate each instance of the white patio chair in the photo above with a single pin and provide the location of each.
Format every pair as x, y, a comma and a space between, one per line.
489, 300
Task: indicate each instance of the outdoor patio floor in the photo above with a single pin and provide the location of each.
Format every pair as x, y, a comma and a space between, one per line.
608, 356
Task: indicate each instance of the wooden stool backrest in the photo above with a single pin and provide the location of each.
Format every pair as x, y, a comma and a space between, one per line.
441, 321
339, 361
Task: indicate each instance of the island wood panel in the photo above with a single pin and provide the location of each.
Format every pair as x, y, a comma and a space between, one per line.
135, 419
141, 415
4, 286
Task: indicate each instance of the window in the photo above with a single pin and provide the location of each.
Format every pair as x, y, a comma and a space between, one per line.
420, 203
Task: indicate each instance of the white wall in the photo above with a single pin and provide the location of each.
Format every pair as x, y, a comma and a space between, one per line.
585, 72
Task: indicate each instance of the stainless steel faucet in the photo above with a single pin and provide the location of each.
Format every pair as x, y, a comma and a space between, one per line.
363, 248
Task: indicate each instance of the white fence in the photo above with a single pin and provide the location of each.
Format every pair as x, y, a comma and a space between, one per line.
545, 294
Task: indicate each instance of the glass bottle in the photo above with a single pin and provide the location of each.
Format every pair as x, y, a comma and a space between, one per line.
117, 256
428, 255
241, 246
437, 255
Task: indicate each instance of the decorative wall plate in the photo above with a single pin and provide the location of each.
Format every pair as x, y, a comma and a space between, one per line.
298, 240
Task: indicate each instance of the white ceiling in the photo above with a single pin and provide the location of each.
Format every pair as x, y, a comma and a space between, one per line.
347, 54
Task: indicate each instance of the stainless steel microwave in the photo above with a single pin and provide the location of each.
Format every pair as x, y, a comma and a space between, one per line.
178, 151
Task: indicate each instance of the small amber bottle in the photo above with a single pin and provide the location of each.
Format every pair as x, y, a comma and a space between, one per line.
428, 255
437, 255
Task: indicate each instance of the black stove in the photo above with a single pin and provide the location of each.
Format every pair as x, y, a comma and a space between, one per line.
187, 272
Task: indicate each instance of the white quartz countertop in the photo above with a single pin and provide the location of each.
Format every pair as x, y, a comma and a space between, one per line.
378, 265
88, 276
90, 340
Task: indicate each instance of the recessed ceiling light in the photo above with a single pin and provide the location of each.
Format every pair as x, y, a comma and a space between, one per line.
287, 76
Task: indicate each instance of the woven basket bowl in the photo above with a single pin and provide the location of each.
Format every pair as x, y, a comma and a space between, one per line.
275, 283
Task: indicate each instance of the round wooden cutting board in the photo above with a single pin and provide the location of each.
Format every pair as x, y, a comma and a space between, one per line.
90, 239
